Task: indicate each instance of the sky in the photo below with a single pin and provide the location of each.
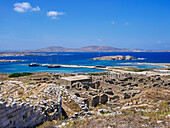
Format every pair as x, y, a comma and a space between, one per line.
32, 24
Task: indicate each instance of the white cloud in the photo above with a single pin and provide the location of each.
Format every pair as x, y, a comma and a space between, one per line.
54, 14
18, 9
25, 6
36, 9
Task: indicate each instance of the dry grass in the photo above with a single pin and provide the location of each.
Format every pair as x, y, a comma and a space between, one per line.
50, 124
120, 121
73, 106
157, 95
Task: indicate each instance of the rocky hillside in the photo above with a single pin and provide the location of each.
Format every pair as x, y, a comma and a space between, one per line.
119, 57
24, 54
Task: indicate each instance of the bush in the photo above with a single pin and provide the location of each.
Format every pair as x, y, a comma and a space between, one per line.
19, 74
95, 74
137, 69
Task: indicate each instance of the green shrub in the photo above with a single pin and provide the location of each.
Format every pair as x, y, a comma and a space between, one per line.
137, 69
19, 74
95, 74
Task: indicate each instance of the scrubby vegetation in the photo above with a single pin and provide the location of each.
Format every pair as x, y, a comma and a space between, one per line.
49, 124
19, 74
95, 74
137, 69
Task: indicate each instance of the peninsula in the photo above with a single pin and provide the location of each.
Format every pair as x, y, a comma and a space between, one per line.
118, 57
24, 54
1, 61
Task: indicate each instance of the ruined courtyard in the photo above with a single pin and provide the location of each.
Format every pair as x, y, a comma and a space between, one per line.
48, 97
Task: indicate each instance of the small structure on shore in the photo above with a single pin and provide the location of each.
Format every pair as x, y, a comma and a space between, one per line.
53, 66
100, 66
33, 65
73, 79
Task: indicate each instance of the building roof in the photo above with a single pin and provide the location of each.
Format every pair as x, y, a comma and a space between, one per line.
76, 78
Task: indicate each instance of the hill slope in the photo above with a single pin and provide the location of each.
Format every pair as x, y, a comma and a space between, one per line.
84, 49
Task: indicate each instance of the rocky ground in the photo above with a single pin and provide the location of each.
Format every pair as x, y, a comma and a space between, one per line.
118, 57
113, 99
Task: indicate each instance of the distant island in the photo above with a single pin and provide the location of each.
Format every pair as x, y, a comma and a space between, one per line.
118, 57
90, 49
23, 54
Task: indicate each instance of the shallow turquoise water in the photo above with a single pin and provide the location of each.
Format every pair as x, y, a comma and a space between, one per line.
81, 59
25, 68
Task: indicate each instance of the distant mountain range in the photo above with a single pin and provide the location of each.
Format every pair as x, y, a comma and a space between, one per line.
90, 49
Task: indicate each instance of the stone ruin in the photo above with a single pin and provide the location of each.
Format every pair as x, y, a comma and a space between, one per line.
16, 113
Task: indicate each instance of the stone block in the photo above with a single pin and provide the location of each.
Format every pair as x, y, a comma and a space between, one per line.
3, 119
116, 97
95, 101
109, 92
5, 123
8, 112
86, 101
2, 111
127, 96
2, 104
103, 99
92, 85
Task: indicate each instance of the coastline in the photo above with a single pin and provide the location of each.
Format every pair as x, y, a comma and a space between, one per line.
167, 65
6, 54
3, 61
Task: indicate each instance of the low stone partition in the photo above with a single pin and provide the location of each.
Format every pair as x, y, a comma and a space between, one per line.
21, 115
98, 99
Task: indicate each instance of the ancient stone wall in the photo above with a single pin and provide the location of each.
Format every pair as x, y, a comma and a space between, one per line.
25, 115
22, 115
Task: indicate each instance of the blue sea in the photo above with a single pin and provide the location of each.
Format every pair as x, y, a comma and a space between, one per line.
81, 58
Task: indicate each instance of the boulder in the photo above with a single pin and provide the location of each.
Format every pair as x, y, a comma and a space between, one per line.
115, 98
103, 99
95, 101
86, 101
110, 92
77, 94
127, 96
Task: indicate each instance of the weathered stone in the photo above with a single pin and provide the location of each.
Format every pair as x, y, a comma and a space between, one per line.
126, 96
77, 94
85, 87
92, 93
86, 101
5, 123
95, 101
102, 111
103, 99
85, 108
156, 85
116, 97
2, 104
110, 92
67, 87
